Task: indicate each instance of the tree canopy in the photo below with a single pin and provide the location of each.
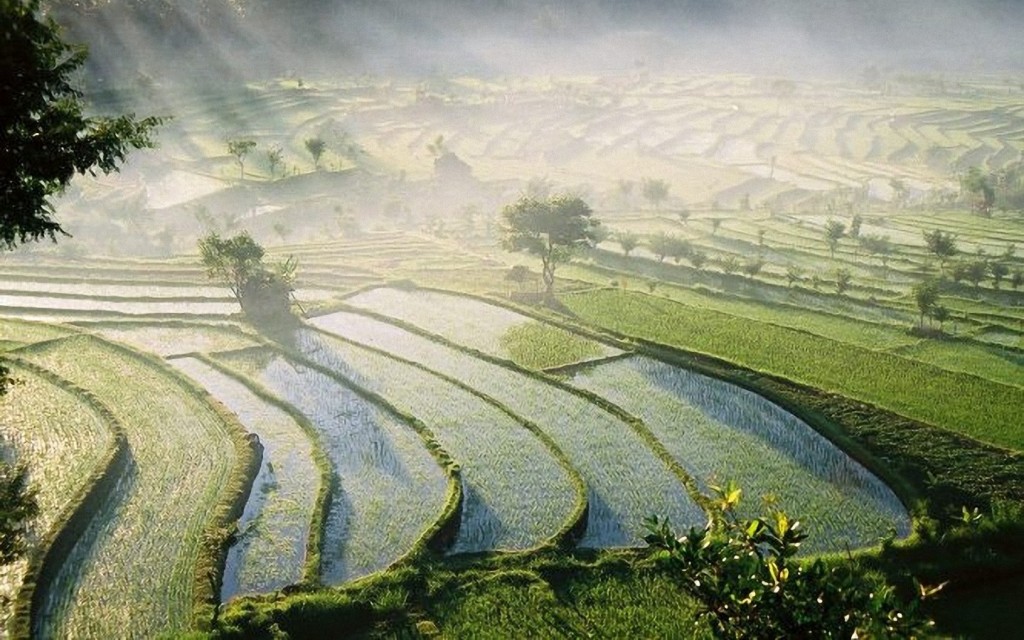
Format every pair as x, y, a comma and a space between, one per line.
262, 292
550, 229
45, 136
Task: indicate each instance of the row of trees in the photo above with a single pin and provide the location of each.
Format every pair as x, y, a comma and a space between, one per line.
664, 245
972, 269
241, 147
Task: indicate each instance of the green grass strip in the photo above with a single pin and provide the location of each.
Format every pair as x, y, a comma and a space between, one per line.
52, 551
960, 402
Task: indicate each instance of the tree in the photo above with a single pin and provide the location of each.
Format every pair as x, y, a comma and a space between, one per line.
999, 271
877, 245
834, 232
926, 296
684, 215
437, 148
628, 241
262, 293
698, 259
240, 147
520, 274
900, 192
661, 245
975, 271
940, 314
753, 267
730, 264
45, 140
550, 229
274, 159
794, 274
855, 222
977, 185
655, 191
747, 584
1017, 279
316, 148
943, 245
715, 223
843, 277
44, 137
678, 248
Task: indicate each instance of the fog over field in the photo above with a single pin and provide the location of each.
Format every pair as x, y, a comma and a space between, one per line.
402, 280
253, 39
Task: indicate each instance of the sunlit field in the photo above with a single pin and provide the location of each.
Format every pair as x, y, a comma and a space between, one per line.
436, 448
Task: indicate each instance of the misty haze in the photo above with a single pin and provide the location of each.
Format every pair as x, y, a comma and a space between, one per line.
416, 313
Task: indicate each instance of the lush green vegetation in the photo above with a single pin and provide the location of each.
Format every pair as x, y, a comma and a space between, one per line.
540, 346
150, 549
423, 429
981, 409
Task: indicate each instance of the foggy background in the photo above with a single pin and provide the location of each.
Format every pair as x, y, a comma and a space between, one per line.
216, 40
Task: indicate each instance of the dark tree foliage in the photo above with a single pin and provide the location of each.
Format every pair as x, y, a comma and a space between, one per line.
45, 140
748, 584
45, 137
17, 505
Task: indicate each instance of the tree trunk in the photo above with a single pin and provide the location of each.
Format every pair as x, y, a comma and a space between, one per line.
548, 274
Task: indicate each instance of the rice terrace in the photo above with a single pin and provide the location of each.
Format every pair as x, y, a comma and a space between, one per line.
395, 333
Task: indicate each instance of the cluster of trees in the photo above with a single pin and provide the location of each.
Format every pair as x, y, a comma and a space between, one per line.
653, 190
263, 292
1001, 189
926, 296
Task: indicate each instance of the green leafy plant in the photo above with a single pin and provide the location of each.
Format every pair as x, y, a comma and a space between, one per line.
744, 575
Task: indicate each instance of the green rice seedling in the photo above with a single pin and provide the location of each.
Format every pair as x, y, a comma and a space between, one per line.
625, 480
169, 338
134, 567
720, 432
389, 488
270, 548
516, 495
1005, 366
189, 306
22, 332
485, 327
63, 439
980, 408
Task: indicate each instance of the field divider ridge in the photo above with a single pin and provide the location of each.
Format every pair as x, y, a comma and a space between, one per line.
440, 535
572, 530
635, 423
311, 567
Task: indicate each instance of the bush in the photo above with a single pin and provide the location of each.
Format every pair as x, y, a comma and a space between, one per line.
743, 575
